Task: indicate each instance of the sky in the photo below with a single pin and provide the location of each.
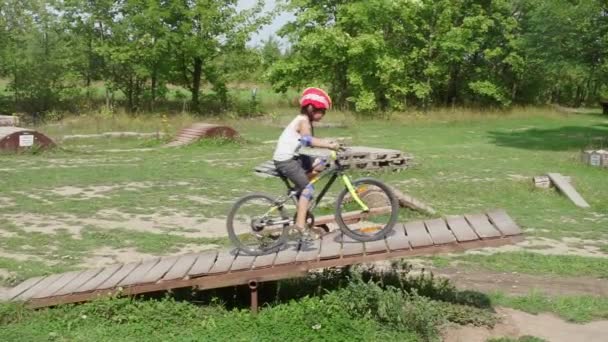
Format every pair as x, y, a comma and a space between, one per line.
268, 30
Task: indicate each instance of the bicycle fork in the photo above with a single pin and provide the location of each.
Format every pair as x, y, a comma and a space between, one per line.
353, 193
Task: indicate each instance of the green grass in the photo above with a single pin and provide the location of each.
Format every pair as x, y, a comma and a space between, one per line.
534, 263
335, 306
578, 309
125, 320
466, 162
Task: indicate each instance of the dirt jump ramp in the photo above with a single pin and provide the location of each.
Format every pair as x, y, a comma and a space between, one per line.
201, 130
16, 139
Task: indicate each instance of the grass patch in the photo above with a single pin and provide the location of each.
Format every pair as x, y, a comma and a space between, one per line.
534, 263
439, 261
466, 162
578, 309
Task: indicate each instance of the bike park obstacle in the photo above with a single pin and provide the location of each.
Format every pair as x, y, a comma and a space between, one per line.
360, 158
202, 130
15, 139
226, 268
563, 184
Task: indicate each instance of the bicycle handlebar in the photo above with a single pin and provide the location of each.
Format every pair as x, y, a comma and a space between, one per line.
336, 153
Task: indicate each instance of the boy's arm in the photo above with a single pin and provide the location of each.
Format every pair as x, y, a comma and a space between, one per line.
306, 134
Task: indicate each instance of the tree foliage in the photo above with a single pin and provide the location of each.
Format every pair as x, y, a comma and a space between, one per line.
390, 54
136, 47
373, 55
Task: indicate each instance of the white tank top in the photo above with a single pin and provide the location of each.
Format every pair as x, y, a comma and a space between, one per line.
289, 141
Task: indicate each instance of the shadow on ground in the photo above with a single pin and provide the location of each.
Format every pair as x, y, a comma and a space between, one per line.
557, 139
319, 283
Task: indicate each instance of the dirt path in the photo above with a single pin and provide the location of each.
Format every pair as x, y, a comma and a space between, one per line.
521, 284
516, 323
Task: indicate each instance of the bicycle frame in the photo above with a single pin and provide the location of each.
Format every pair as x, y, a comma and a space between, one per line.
335, 171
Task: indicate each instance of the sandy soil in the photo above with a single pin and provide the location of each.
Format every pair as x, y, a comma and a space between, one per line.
516, 323
521, 284
176, 223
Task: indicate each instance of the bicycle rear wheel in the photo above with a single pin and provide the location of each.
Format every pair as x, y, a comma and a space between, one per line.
373, 224
254, 227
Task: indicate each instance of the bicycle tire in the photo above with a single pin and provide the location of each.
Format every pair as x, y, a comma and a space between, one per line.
234, 237
394, 207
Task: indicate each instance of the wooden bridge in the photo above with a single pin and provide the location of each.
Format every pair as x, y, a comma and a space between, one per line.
228, 268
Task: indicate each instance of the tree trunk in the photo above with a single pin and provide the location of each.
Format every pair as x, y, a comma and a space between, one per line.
339, 88
153, 88
196, 82
129, 92
90, 66
513, 91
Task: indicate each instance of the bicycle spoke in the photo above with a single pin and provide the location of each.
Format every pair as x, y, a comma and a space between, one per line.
369, 224
256, 225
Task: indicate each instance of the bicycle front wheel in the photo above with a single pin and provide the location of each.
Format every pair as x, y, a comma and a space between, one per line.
373, 224
256, 225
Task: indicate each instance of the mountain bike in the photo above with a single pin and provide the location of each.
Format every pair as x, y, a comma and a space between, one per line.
365, 210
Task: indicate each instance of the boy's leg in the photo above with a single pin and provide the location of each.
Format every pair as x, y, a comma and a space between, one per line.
296, 172
317, 167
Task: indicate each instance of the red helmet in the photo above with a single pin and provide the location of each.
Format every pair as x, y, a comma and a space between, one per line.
316, 97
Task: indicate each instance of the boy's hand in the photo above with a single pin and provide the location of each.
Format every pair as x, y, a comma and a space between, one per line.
334, 145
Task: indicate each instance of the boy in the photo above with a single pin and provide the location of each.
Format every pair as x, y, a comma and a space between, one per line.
300, 168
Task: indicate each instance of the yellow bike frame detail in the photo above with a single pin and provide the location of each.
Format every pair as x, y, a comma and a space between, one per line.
353, 193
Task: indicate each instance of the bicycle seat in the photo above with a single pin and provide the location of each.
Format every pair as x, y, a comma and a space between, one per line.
267, 169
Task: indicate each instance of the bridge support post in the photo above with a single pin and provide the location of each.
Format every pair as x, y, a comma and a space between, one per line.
253, 287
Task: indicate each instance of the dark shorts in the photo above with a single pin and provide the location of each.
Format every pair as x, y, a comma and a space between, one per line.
295, 170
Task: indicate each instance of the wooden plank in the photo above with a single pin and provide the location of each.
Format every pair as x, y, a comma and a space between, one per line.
24, 286
288, 254
331, 245
203, 264
263, 261
567, 189
159, 270
397, 240
242, 262
461, 228
137, 275
482, 226
378, 246
417, 234
65, 279
78, 281
352, 216
118, 276
309, 251
351, 246
44, 283
100, 278
503, 222
223, 262
275, 273
439, 231
181, 267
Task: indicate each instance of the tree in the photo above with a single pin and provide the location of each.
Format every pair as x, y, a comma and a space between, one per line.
382, 54
37, 56
200, 32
